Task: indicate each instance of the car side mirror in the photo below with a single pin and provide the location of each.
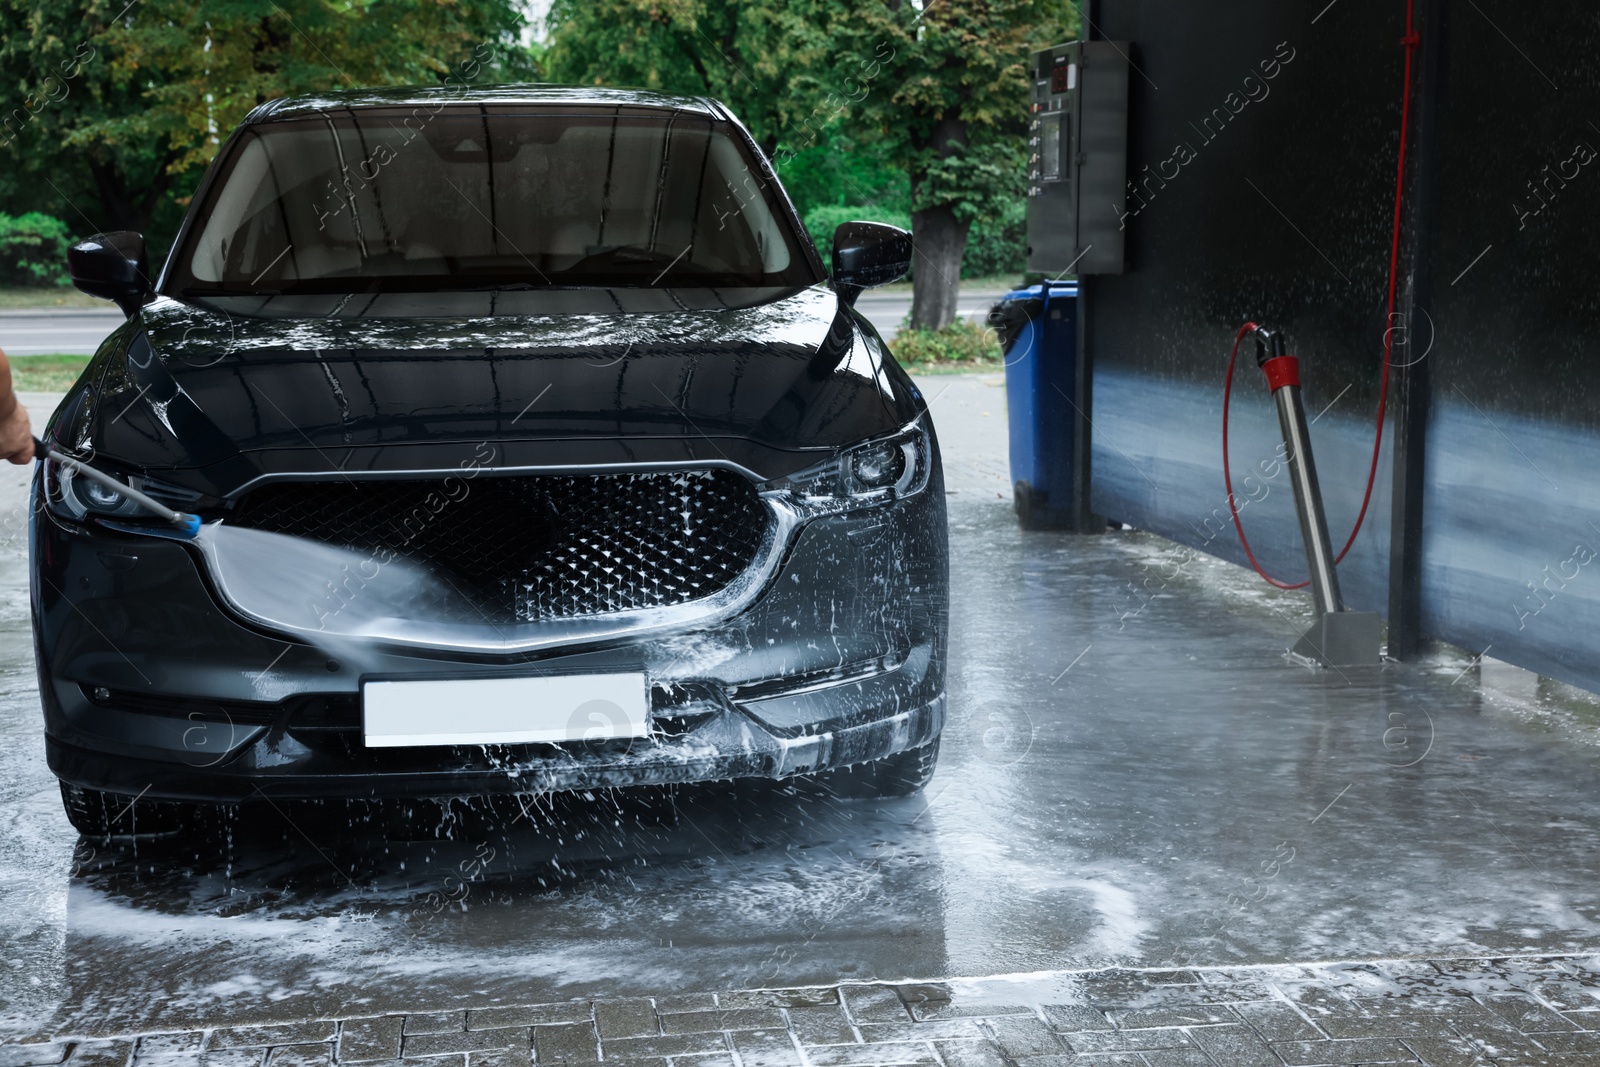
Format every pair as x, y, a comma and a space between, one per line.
113, 266
866, 254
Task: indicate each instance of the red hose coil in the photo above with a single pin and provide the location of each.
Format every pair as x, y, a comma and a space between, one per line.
1411, 40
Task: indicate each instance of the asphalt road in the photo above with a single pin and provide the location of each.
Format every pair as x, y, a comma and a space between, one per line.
70, 331
79, 331
1134, 773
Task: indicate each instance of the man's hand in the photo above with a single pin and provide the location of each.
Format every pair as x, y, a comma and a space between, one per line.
16, 434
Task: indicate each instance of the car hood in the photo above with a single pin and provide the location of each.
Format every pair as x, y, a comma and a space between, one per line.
221, 392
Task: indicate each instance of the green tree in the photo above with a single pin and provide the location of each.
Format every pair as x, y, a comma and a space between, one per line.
119, 106
744, 53
943, 86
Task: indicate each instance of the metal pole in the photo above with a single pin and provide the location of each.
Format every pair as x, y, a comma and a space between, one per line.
1337, 637
1283, 375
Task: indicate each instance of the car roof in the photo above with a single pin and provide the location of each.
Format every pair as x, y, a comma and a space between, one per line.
537, 94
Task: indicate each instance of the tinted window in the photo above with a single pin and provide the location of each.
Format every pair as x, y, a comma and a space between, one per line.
379, 200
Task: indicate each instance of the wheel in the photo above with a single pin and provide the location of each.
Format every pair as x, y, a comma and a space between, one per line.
94, 813
899, 775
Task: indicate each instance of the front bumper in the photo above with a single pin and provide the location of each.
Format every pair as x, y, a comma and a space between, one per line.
149, 686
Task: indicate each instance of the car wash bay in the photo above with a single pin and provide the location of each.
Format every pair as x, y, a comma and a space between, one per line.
1135, 773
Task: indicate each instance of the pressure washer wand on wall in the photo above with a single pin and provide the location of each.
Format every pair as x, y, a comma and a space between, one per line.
188, 525
1338, 637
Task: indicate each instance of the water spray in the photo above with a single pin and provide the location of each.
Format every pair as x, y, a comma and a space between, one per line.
188, 525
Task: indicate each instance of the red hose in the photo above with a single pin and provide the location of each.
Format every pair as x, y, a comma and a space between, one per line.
1411, 40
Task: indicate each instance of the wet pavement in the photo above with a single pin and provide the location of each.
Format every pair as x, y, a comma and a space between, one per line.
1135, 775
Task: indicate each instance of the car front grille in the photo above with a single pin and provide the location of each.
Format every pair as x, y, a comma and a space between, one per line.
521, 549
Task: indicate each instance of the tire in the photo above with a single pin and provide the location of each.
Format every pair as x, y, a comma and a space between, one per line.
900, 775
94, 813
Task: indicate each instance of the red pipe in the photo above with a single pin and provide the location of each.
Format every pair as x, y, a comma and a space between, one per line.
1411, 40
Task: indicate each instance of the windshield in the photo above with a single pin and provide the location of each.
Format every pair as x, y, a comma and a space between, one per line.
474, 197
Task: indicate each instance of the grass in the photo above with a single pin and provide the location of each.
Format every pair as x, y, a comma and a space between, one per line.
20, 298
45, 374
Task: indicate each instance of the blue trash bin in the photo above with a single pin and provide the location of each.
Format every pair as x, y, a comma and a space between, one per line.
1038, 328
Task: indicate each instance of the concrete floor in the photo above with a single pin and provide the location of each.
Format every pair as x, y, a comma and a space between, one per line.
1135, 773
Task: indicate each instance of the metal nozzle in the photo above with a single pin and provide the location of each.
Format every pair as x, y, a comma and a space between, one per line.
188, 524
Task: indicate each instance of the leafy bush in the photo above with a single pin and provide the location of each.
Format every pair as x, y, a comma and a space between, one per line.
821, 222
33, 249
997, 244
960, 342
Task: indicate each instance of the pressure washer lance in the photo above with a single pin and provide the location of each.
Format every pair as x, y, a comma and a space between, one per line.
1337, 637
188, 525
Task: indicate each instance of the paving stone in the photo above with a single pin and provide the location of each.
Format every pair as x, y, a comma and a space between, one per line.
1059, 1060
102, 1054
1119, 988
970, 1053
162, 1044
696, 1022
1496, 1035
1348, 1028
1527, 1014
925, 993
1572, 1042
785, 998
319, 1054
1234, 1045
237, 1057
1583, 1020
167, 1059
1069, 1017
933, 1030
625, 1018
34, 1055
275, 1034
464, 1041
1114, 1059
1360, 1050
1225, 986
573, 1011
946, 1009
574, 1043
723, 1059
878, 1055
1178, 1057
1188, 1015
1127, 1040
874, 1004
1413, 1006
1447, 1051
679, 1002
1565, 994
1278, 1022
362, 1040
1020, 1037
443, 1022
499, 1057
672, 1045
821, 1025
766, 1048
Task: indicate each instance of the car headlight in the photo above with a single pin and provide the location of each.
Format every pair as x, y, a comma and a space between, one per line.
875, 472
76, 497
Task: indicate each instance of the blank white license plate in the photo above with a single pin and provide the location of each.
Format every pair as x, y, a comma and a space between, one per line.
499, 711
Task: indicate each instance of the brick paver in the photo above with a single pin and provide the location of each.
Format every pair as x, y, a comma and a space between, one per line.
1505, 1012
